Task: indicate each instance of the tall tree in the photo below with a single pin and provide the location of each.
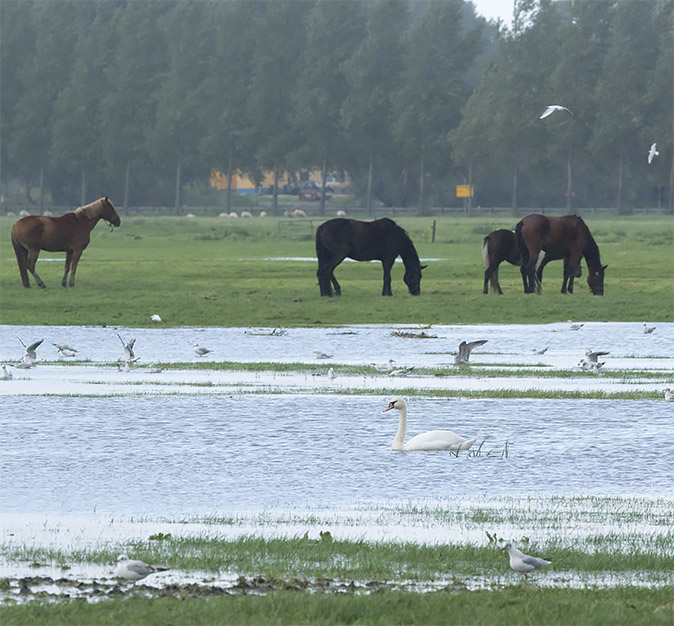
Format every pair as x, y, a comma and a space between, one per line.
133, 76
433, 90
621, 120
279, 43
372, 77
335, 30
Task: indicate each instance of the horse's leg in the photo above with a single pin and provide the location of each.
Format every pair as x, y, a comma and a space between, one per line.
22, 260
387, 265
69, 258
76, 259
323, 281
338, 289
491, 276
32, 259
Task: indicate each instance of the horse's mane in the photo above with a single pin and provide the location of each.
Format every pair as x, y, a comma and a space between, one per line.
92, 210
408, 252
590, 249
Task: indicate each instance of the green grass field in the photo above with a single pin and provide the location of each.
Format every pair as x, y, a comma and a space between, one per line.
209, 271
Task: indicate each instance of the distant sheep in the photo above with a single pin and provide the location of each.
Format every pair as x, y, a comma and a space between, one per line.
287, 214
299, 213
246, 214
233, 214
263, 213
48, 214
341, 213
23, 213
190, 215
11, 214
223, 215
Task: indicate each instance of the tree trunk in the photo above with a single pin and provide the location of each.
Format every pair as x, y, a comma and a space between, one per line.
83, 188
470, 187
368, 200
228, 204
422, 190
41, 186
621, 169
126, 187
274, 199
514, 198
670, 204
324, 175
179, 185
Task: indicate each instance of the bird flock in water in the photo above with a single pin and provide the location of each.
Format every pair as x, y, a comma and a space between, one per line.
436, 440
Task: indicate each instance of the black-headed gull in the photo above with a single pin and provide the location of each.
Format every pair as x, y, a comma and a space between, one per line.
591, 366
331, 374
405, 371
135, 570
593, 357
7, 375
523, 563
31, 349
65, 350
201, 351
321, 355
128, 349
384, 368
465, 349
669, 396
543, 351
552, 109
648, 329
652, 153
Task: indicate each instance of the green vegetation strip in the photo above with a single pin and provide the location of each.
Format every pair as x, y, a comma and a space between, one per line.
519, 604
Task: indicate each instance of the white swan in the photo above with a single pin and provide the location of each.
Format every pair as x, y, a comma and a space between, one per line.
432, 440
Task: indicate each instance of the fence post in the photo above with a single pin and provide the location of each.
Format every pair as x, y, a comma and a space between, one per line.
433, 236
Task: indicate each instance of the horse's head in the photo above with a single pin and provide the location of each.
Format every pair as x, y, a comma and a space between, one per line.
109, 214
412, 278
595, 280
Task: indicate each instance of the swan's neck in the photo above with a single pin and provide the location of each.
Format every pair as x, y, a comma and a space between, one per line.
402, 428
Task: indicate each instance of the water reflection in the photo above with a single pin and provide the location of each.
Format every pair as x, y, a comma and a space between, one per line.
178, 455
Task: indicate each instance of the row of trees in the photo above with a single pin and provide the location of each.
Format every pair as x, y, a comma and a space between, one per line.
138, 98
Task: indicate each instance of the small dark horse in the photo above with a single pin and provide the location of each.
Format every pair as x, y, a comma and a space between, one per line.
69, 233
542, 239
381, 240
498, 246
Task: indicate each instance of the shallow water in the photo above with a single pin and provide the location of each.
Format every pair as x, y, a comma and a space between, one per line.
172, 455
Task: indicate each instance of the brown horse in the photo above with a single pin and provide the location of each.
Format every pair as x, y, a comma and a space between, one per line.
542, 239
69, 233
498, 246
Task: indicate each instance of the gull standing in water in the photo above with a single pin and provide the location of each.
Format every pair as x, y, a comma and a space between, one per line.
591, 366
321, 355
201, 351
7, 375
543, 351
573, 326
401, 373
384, 368
669, 396
135, 570
331, 374
648, 329
523, 563
465, 349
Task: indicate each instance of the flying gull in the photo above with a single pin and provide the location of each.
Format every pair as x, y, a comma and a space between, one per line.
551, 109
465, 349
652, 153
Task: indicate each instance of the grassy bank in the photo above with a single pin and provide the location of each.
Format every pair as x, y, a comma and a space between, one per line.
213, 272
521, 604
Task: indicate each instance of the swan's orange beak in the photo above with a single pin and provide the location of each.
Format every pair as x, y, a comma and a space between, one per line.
391, 405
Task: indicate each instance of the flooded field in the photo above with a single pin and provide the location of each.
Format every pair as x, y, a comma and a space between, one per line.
98, 456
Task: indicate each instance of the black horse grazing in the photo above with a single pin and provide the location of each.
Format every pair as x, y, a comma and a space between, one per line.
381, 240
498, 246
542, 239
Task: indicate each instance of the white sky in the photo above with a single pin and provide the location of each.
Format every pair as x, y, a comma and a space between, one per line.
492, 9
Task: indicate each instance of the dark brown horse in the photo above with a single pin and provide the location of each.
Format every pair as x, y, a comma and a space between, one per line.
498, 246
381, 240
69, 233
542, 239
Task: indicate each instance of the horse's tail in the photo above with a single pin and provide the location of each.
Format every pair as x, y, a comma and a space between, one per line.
21, 259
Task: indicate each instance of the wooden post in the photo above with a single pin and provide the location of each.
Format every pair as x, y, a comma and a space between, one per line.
433, 236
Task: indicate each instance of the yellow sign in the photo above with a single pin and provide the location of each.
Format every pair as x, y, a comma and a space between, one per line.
464, 191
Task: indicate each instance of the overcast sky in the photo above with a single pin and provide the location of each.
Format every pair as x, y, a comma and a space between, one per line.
492, 9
